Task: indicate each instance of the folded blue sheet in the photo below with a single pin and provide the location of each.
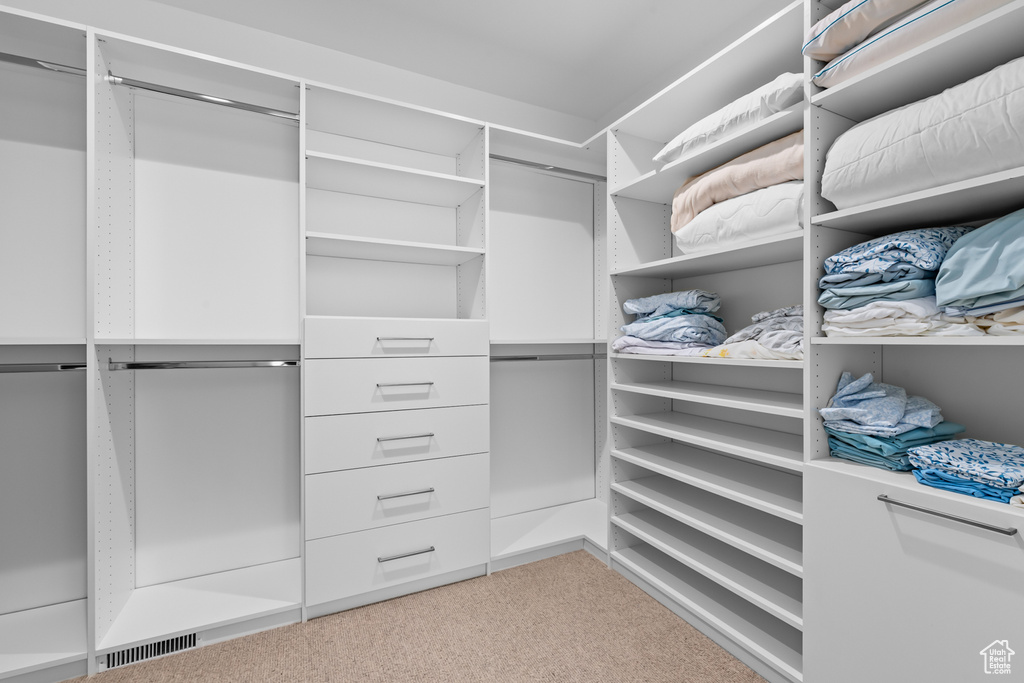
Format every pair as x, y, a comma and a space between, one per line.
898, 444
985, 267
846, 298
896, 463
948, 482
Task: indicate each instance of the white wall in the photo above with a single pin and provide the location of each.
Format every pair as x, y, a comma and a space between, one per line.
197, 32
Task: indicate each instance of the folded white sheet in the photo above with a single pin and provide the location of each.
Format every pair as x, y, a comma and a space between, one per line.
751, 348
770, 211
907, 318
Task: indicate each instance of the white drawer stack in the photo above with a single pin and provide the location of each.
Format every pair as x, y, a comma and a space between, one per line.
397, 466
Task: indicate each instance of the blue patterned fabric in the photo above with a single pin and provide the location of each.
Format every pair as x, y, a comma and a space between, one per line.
899, 271
846, 298
984, 462
696, 300
924, 248
949, 482
863, 406
700, 327
985, 267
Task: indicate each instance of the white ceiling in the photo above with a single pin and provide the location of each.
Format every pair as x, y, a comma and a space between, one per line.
580, 57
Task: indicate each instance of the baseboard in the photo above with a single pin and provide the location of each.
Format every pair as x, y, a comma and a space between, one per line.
53, 674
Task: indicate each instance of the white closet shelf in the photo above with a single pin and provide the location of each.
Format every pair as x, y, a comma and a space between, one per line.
956, 56
659, 186
43, 637
42, 341
778, 449
734, 362
127, 341
762, 488
356, 176
539, 529
764, 586
987, 340
342, 246
170, 609
737, 619
515, 342
767, 538
753, 400
967, 200
763, 252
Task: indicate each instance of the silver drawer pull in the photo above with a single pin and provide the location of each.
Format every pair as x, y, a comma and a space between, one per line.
406, 494
382, 560
1008, 531
382, 439
426, 339
405, 384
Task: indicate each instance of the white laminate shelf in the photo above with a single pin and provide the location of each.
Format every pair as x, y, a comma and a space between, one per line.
370, 249
660, 185
701, 360
768, 538
771, 589
749, 626
740, 398
762, 488
958, 55
42, 341
356, 176
989, 196
767, 446
130, 341
538, 529
763, 252
204, 602
44, 637
528, 342
987, 340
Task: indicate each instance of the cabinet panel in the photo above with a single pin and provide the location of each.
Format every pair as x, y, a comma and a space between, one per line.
370, 337
357, 385
343, 566
922, 595
343, 442
354, 500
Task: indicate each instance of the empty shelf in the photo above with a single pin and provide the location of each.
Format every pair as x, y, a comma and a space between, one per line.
773, 590
341, 246
41, 638
754, 400
768, 638
763, 252
762, 488
779, 449
355, 176
735, 362
205, 602
659, 186
989, 196
767, 538
538, 529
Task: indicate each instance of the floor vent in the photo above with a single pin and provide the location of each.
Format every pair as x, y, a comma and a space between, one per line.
142, 652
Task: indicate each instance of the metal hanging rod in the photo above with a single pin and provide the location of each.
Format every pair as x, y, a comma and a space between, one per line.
564, 356
40, 367
202, 364
41, 64
548, 167
188, 94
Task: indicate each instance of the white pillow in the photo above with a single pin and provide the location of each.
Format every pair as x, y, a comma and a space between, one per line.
771, 98
851, 24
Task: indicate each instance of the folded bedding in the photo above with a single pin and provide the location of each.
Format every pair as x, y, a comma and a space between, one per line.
752, 349
1005, 323
772, 335
682, 318
781, 93
850, 24
699, 328
777, 162
769, 211
985, 462
970, 130
854, 297
863, 406
917, 27
887, 318
901, 255
950, 482
984, 269
696, 300
899, 444
630, 344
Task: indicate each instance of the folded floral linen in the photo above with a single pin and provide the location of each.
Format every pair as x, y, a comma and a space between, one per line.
985, 462
863, 406
774, 335
751, 349
940, 479
984, 271
923, 249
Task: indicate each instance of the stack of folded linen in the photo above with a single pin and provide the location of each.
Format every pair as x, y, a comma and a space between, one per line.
886, 286
984, 469
875, 424
673, 324
772, 335
982, 277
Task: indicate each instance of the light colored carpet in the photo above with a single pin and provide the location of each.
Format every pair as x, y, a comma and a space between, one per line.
565, 619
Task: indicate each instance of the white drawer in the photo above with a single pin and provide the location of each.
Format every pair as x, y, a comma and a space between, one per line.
381, 337
343, 442
374, 384
343, 566
354, 500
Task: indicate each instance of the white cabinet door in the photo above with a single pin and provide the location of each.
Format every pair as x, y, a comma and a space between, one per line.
894, 594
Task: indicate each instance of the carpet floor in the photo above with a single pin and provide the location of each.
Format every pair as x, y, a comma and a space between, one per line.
565, 619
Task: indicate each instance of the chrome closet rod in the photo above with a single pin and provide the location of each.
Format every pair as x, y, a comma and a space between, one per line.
566, 356
189, 94
201, 364
40, 367
41, 64
549, 167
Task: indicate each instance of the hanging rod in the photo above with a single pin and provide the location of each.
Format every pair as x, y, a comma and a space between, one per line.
188, 94
40, 367
41, 64
548, 167
564, 356
201, 364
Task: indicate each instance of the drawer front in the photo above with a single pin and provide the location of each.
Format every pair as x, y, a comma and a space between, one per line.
376, 384
354, 500
378, 337
342, 442
343, 566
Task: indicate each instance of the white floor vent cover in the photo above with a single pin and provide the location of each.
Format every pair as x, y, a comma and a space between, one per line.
152, 650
